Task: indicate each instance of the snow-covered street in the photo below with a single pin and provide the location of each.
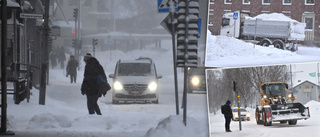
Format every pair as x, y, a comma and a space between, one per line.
66, 114
223, 51
307, 128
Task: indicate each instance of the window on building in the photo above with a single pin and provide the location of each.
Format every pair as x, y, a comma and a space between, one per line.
287, 2
227, 1
246, 2
309, 2
309, 23
211, 1
266, 2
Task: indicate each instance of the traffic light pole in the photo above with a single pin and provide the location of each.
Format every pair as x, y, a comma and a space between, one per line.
238, 103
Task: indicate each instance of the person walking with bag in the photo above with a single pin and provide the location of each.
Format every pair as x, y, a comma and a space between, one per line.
227, 115
93, 70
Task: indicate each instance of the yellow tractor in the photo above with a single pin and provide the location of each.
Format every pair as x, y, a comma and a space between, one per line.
276, 105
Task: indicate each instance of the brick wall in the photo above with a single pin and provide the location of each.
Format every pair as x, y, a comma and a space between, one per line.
295, 11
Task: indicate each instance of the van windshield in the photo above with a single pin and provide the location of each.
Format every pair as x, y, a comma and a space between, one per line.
135, 69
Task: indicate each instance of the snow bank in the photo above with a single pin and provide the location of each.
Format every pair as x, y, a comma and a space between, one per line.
224, 51
314, 107
173, 126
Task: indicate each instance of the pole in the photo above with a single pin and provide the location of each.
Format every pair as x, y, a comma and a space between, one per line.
291, 81
3, 67
238, 98
185, 65
174, 51
44, 65
317, 94
255, 33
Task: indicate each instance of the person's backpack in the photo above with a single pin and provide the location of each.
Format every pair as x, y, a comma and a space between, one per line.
103, 85
223, 109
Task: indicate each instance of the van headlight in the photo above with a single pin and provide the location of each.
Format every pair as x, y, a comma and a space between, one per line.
152, 86
195, 81
117, 85
248, 115
235, 115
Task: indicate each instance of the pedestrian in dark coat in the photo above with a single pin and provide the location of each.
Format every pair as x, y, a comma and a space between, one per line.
89, 86
72, 69
228, 115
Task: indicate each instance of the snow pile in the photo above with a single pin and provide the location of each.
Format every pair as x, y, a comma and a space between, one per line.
172, 126
224, 51
272, 16
314, 107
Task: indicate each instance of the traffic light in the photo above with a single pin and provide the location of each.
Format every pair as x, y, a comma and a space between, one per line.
95, 41
187, 33
74, 42
234, 86
75, 13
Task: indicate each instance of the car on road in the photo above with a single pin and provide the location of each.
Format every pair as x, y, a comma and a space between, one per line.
135, 81
197, 80
245, 115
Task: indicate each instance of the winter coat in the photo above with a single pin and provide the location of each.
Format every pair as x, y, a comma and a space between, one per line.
72, 67
92, 70
228, 111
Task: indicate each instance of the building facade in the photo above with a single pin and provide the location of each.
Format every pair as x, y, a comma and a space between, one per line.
305, 92
306, 11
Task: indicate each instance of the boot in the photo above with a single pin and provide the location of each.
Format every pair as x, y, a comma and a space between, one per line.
228, 130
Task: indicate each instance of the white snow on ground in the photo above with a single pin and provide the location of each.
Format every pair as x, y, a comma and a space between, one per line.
223, 51
304, 128
65, 112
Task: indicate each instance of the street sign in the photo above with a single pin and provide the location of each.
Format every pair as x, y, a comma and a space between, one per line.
30, 16
164, 5
235, 15
166, 24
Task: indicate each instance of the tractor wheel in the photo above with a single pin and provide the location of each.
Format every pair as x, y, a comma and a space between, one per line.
264, 117
258, 118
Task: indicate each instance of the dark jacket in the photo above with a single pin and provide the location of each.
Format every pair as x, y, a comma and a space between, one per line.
228, 111
92, 70
72, 66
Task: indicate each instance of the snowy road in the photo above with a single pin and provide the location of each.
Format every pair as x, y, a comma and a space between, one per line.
304, 128
66, 114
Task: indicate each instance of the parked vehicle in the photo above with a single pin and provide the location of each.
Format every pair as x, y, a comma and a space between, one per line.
135, 81
283, 34
244, 114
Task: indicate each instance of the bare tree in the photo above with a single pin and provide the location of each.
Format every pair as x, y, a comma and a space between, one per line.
220, 83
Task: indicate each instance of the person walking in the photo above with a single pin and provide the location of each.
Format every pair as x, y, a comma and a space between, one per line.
89, 86
227, 115
72, 69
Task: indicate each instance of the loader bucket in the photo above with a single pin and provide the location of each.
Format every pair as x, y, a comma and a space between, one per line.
289, 111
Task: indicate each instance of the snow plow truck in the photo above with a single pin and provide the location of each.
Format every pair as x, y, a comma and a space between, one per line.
277, 105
